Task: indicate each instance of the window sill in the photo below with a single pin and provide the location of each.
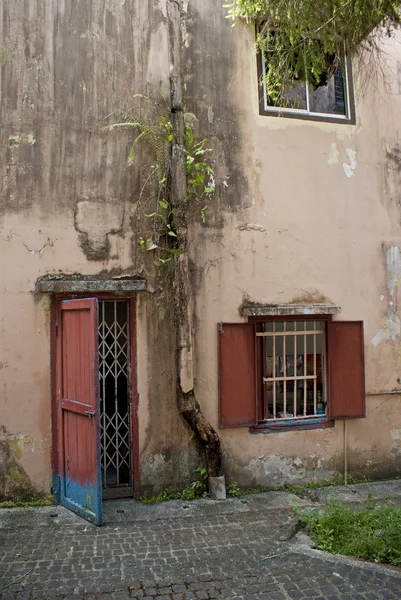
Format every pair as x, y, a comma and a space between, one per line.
305, 116
296, 425
254, 309
74, 284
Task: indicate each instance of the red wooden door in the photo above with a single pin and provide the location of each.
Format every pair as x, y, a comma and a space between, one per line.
78, 408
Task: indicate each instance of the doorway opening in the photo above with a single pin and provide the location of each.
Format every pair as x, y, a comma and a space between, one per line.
115, 398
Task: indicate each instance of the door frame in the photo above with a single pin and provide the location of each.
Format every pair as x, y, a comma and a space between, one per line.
131, 299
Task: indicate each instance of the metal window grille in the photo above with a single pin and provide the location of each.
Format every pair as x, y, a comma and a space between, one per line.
115, 426
294, 369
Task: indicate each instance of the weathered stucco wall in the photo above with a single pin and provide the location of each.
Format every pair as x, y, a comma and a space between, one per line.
67, 206
300, 209
305, 210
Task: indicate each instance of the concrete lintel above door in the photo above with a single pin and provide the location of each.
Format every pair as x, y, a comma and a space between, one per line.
73, 284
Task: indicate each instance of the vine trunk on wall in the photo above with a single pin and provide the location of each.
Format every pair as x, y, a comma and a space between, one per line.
183, 305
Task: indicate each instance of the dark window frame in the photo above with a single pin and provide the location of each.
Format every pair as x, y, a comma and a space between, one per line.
281, 112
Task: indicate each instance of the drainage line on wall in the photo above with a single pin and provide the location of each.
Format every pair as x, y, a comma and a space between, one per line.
345, 452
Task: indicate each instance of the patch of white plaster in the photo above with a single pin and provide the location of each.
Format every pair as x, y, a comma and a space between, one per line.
334, 154
395, 434
210, 114
184, 34
392, 329
350, 168
393, 269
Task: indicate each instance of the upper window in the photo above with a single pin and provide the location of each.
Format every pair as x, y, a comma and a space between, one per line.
327, 98
290, 372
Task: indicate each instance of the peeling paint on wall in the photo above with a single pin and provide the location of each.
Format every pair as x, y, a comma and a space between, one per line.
334, 155
334, 159
392, 329
95, 221
350, 168
251, 227
14, 482
19, 442
17, 140
277, 470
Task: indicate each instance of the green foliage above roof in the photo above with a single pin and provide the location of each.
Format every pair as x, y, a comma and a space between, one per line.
306, 39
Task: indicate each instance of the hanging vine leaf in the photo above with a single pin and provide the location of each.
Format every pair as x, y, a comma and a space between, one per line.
151, 123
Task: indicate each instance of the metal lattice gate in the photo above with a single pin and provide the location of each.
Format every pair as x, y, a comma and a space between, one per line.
115, 426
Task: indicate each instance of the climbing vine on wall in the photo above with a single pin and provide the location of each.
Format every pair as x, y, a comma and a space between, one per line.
305, 40
151, 123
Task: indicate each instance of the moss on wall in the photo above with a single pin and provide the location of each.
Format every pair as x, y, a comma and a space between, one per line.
14, 482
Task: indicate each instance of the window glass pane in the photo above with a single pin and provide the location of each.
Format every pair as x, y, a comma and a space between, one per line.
295, 98
329, 98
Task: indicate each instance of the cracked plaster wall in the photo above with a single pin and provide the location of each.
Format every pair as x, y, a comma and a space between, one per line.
67, 200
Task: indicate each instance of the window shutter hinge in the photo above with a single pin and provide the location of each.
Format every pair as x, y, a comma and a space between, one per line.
221, 328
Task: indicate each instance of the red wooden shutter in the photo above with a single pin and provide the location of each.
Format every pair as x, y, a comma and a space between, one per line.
346, 374
237, 374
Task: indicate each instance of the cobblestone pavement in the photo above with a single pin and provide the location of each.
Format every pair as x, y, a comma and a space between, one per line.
239, 550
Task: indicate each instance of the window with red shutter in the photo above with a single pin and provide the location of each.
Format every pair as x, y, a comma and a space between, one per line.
290, 372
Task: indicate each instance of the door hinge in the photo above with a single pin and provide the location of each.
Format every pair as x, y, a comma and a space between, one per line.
56, 329
221, 327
